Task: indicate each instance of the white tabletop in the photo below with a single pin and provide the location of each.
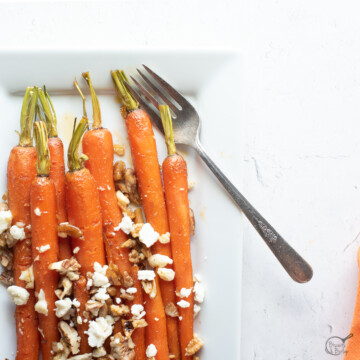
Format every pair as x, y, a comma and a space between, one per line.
300, 105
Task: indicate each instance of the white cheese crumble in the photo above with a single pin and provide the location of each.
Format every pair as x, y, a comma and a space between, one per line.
131, 290
118, 300
199, 292
89, 283
146, 275
158, 260
28, 276
76, 303
101, 295
156, 319
41, 305
166, 274
62, 307
5, 220
183, 304
184, 293
76, 250
18, 295
44, 248
197, 309
79, 319
17, 233
37, 211
99, 279
126, 225
164, 238
151, 351
147, 235
99, 330
138, 311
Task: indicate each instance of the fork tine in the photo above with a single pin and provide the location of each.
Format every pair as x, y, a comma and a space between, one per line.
155, 117
176, 95
159, 93
146, 93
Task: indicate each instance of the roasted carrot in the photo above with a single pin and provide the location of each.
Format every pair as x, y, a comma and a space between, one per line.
57, 169
147, 169
83, 206
174, 172
98, 147
21, 171
81, 294
44, 242
138, 336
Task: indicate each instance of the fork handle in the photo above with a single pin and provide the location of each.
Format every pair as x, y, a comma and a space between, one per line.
298, 269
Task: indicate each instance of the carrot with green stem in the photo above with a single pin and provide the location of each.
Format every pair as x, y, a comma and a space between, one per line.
57, 169
83, 205
21, 171
174, 172
44, 242
147, 169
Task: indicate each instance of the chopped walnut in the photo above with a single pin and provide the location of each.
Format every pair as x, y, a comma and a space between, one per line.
6, 258
120, 348
196, 358
70, 335
171, 310
139, 218
111, 290
65, 229
194, 345
87, 356
127, 280
99, 352
127, 296
136, 230
5, 196
192, 222
68, 267
119, 170
135, 257
164, 238
104, 310
149, 288
61, 349
130, 243
131, 186
122, 200
67, 287
93, 307
28, 276
139, 323
113, 274
119, 150
119, 310
7, 278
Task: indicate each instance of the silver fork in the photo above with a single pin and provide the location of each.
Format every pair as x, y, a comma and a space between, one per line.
186, 127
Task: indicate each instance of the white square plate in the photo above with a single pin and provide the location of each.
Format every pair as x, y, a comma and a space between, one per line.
211, 81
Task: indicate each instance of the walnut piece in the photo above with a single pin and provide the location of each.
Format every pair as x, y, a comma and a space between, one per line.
139, 218
6, 258
67, 267
171, 310
70, 335
127, 280
119, 170
7, 278
87, 356
65, 229
149, 287
131, 186
113, 274
119, 150
120, 348
93, 307
61, 349
119, 310
66, 285
194, 345
129, 244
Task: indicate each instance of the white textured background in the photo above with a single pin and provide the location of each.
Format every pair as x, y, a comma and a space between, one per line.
300, 107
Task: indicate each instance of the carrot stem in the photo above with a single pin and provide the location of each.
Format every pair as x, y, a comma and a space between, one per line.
27, 115
95, 102
82, 95
168, 129
49, 112
119, 79
76, 160
42, 149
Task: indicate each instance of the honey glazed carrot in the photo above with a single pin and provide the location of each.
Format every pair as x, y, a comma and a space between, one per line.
44, 242
21, 171
57, 169
174, 172
146, 165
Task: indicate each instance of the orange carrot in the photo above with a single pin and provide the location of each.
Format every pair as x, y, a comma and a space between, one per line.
57, 169
81, 294
21, 171
98, 147
138, 336
44, 241
174, 171
146, 165
83, 206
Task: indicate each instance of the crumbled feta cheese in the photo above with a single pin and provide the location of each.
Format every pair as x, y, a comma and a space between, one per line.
166, 274
62, 307
147, 235
17, 233
183, 304
131, 290
164, 238
199, 292
151, 351
197, 309
118, 300
5, 220
197, 278
79, 319
100, 269
37, 211
76, 303
126, 225
101, 295
146, 275
28, 276
18, 295
100, 280
138, 311
184, 293
89, 283
99, 330
158, 260
41, 305
76, 250
44, 248
85, 320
